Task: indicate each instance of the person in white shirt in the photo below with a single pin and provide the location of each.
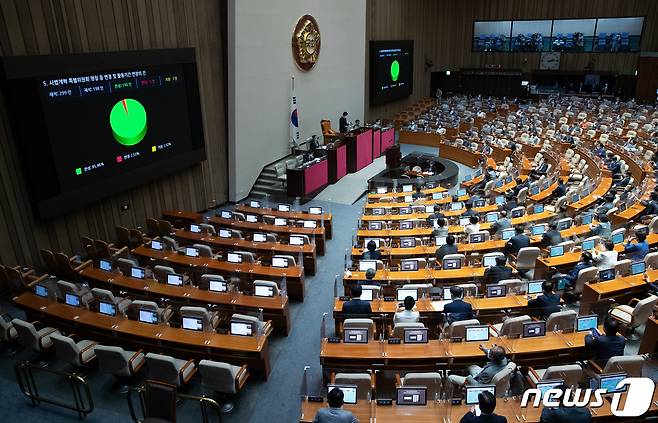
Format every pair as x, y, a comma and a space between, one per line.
605, 259
473, 225
408, 315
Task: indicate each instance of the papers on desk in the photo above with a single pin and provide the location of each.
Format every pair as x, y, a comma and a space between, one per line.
438, 305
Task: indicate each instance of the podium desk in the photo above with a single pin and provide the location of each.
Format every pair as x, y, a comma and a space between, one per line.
359, 149
376, 143
387, 138
306, 181
337, 161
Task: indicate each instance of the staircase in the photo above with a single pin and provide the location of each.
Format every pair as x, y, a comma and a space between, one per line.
267, 185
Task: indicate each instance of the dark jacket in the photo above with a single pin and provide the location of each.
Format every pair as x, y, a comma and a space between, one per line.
559, 191
603, 347
342, 124
496, 274
552, 237
573, 273
565, 415
517, 242
483, 418
545, 304
458, 310
445, 250
371, 255
357, 306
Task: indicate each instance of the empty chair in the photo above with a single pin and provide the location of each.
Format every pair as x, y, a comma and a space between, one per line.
629, 364
121, 304
207, 228
458, 329
567, 246
78, 354
160, 272
83, 292
514, 285
223, 378
170, 243
204, 250
634, 316
269, 284
165, 227
258, 324
585, 275
423, 288
461, 257
651, 260
572, 374
247, 256
164, 314
623, 267
119, 362
469, 289
7, 330
125, 264
364, 382
209, 320
206, 278
398, 329
170, 370
361, 324
511, 326
561, 321
431, 380
152, 228
31, 338
526, 260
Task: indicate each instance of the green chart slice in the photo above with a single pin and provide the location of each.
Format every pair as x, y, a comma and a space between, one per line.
128, 121
395, 70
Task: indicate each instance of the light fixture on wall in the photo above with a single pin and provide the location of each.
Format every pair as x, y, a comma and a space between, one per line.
447, 73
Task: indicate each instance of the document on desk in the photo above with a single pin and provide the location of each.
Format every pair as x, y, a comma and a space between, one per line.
438, 305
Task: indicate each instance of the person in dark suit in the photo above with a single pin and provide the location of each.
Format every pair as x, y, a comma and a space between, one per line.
552, 236
584, 263
625, 180
342, 123
560, 190
510, 202
487, 405
602, 347
335, 412
372, 253
518, 241
448, 248
562, 414
356, 305
469, 210
498, 272
545, 304
458, 309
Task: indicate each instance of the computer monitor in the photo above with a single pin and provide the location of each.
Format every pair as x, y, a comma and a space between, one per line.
40, 291
463, 221
468, 178
407, 242
478, 173
479, 203
429, 208
217, 285
437, 195
195, 228
263, 291
411, 395
366, 295
472, 393
547, 385
588, 245
107, 308
148, 316
72, 299
499, 183
406, 225
156, 245
355, 335
137, 272
258, 237
440, 240
461, 192
607, 274
407, 188
364, 265
475, 238
561, 284
538, 230
224, 233
349, 392
563, 224
507, 234
296, 240
225, 214
447, 295
378, 211
174, 279
479, 333
415, 336
637, 268
234, 258
489, 261
310, 224
609, 382
382, 190
280, 221
192, 323
251, 218
408, 199
575, 198
533, 329
517, 213
191, 251
255, 204
105, 265
534, 287
403, 293
586, 218
495, 290
492, 217
586, 323
283, 207
539, 208
405, 210
452, 263
242, 328
280, 262
456, 206
617, 238
409, 265
499, 200
556, 251
375, 226
315, 210
534, 190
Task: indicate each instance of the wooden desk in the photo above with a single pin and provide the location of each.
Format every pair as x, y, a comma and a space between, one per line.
428, 191
276, 309
587, 201
247, 271
181, 218
422, 216
238, 350
425, 202
318, 234
325, 218
649, 342
271, 248
621, 287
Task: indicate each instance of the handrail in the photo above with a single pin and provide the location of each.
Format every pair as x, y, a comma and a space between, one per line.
205, 403
83, 402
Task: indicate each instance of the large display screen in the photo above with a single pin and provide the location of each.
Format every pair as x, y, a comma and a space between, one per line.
391, 70
88, 126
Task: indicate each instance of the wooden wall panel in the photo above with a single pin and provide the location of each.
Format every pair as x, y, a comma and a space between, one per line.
34, 27
442, 31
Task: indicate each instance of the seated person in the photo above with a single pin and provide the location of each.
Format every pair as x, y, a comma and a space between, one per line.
651, 206
603, 209
335, 413
624, 180
605, 259
552, 236
502, 223
562, 414
560, 190
483, 375
407, 314
510, 202
372, 253
438, 214
520, 184
356, 305
473, 225
546, 303
487, 405
499, 272
638, 250
603, 229
584, 263
469, 209
449, 248
370, 276
602, 347
518, 241
458, 309
441, 229
418, 195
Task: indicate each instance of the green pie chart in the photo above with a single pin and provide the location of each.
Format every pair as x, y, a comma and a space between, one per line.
395, 70
128, 121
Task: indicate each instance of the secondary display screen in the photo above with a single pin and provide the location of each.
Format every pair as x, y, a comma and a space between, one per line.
97, 124
391, 70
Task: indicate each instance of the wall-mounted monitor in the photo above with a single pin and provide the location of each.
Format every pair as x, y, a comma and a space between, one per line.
573, 35
531, 35
391, 70
618, 34
491, 35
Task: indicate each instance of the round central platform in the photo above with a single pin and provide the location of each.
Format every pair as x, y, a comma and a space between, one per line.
443, 171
